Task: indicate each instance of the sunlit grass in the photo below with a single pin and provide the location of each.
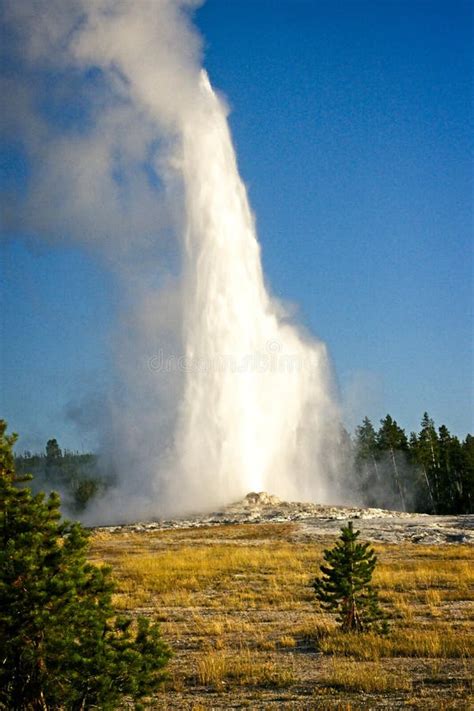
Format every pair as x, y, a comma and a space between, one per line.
237, 604
364, 676
250, 577
441, 642
218, 668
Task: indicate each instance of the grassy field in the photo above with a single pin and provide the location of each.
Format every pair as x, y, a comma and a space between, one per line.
236, 606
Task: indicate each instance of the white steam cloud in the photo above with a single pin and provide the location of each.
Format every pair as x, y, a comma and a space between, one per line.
219, 394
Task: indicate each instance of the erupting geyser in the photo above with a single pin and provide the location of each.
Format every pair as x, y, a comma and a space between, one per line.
256, 411
249, 407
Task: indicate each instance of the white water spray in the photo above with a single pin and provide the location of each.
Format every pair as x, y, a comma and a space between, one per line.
250, 407
256, 411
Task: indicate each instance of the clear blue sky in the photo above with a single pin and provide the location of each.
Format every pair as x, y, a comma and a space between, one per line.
353, 128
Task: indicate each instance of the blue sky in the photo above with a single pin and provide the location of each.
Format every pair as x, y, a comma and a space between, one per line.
353, 127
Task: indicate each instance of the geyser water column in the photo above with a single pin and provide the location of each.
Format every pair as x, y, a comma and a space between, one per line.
253, 408
256, 409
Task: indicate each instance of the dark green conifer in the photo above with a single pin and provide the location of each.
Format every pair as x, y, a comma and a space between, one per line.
345, 584
62, 645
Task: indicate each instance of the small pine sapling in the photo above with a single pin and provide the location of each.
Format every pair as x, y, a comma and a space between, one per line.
345, 585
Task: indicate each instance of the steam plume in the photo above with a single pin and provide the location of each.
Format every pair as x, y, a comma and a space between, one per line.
219, 394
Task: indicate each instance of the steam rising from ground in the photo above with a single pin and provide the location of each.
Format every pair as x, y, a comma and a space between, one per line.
220, 394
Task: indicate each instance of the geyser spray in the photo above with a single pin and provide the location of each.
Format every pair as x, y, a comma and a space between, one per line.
241, 400
258, 414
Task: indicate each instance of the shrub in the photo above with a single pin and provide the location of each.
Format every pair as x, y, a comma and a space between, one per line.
62, 644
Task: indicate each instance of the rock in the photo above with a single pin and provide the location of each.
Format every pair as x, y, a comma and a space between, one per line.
256, 500
313, 520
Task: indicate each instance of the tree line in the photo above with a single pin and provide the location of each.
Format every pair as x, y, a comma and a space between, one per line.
77, 476
430, 471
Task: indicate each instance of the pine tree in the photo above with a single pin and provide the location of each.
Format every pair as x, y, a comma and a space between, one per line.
53, 451
392, 439
62, 646
427, 455
366, 464
345, 584
421, 487
467, 474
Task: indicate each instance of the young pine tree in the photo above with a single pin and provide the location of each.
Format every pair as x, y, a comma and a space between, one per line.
62, 646
344, 586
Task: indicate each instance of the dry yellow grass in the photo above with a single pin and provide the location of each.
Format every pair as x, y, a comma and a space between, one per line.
442, 642
217, 669
237, 606
364, 676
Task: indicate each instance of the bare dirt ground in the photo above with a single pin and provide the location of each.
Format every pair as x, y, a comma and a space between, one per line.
232, 592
